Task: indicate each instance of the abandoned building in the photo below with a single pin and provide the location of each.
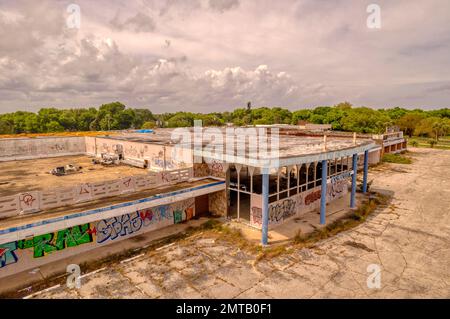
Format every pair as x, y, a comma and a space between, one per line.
132, 183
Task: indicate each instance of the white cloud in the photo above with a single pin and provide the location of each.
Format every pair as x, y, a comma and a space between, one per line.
210, 55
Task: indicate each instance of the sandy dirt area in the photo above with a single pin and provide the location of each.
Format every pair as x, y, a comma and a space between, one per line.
408, 241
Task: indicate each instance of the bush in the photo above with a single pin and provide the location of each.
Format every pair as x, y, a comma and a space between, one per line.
148, 125
396, 158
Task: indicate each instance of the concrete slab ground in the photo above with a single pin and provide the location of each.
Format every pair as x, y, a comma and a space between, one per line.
22, 176
409, 241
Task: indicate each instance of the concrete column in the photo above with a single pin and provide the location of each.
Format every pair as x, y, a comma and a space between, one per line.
355, 170
323, 196
366, 169
265, 208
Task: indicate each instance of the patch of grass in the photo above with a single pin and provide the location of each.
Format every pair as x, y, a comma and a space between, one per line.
443, 143
396, 158
354, 219
234, 236
271, 252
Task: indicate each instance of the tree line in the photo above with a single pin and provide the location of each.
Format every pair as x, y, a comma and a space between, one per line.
116, 116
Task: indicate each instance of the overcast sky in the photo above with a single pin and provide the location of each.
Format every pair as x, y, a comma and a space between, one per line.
215, 55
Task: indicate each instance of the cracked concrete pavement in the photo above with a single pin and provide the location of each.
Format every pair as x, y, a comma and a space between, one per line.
409, 239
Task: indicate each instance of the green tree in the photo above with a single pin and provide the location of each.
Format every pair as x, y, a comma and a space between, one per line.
408, 122
149, 125
54, 126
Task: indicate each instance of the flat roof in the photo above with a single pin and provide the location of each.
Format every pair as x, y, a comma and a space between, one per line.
289, 149
31, 175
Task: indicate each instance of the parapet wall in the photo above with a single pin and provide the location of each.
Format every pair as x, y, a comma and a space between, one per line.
30, 148
157, 157
33, 201
295, 205
32, 252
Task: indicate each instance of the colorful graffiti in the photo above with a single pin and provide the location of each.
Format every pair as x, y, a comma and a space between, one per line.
183, 211
48, 243
112, 228
7, 254
101, 232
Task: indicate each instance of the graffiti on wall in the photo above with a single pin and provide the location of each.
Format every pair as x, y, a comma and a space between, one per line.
48, 243
161, 162
337, 188
216, 167
7, 254
99, 232
302, 202
256, 216
312, 197
281, 210
118, 226
183, 211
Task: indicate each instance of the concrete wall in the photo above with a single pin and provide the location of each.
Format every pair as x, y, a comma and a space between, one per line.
159, 157
30, 148
296, 205
32, 252
217, 203
30, 202
214, 168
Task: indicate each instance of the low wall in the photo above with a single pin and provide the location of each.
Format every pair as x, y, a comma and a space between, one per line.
32, 252
33, 201
158, 157
30, 148
295, 205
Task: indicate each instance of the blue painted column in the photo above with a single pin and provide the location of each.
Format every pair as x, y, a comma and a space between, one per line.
323, 196
265, 208
355, 171
366, 169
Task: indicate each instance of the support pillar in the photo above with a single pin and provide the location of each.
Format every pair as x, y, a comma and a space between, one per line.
265, 208
355, 171
366, 169
323, 196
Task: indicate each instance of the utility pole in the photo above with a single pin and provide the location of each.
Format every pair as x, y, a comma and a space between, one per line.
249, 111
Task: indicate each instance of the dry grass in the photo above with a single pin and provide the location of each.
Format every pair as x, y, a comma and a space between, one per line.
352, 220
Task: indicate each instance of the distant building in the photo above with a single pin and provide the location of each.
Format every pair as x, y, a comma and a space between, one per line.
391, 141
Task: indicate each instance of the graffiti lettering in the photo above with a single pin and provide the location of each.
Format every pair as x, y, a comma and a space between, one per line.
118, 226
48, 243
7, 254
256, 217
27, 199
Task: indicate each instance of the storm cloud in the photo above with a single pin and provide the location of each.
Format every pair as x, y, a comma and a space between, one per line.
215, 55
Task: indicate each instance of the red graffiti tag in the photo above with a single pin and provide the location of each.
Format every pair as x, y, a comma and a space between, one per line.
165, 177
146, 215
28, 199
127, 182
3, 251
83, 191
92, 231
